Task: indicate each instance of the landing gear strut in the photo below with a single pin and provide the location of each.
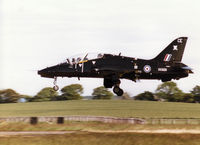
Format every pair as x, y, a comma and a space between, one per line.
55, 87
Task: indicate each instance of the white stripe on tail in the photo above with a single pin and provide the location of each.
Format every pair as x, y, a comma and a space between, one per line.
167, 57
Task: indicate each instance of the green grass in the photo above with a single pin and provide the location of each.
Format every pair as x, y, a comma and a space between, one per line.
118, 108
103, 139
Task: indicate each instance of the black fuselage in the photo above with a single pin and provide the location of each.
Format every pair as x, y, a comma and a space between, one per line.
165, 66
121, 66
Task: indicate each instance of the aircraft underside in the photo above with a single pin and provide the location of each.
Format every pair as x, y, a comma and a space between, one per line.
112, 79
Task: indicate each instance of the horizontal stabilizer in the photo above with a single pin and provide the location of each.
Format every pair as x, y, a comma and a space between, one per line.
187, 68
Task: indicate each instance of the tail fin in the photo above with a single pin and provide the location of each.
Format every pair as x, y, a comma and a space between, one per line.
174, 51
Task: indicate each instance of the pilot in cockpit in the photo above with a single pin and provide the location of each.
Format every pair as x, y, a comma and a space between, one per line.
73, 61
78, 59
99, 55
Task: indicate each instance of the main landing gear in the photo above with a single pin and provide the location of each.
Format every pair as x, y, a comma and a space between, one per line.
113, 82
55, 87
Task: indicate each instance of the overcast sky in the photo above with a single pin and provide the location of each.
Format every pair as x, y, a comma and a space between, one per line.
38, 33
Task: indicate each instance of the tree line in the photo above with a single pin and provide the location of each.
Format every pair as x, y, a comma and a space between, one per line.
70, 92
167, 91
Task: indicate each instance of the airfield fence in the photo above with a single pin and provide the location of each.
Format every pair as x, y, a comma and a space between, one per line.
61, 120
173, 121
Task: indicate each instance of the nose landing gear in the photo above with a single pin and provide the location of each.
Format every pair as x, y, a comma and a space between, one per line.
55, 87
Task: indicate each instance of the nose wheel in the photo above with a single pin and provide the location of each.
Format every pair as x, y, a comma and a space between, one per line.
55, 87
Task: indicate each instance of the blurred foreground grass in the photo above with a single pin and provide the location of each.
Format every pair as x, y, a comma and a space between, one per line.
104, 139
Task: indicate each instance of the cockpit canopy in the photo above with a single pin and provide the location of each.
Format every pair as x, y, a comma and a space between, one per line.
82, 57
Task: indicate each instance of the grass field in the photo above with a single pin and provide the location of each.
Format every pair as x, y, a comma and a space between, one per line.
117, 108
103, 139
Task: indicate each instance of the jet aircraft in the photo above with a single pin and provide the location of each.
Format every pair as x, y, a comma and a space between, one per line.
165, 66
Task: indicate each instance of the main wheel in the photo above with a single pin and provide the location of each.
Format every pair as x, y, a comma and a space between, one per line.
118, 91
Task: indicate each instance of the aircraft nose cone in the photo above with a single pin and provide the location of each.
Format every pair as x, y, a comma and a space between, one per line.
45, 73
42, 72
